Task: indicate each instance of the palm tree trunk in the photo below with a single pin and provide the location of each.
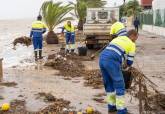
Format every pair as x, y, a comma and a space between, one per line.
124, 1
80, 24
51, 38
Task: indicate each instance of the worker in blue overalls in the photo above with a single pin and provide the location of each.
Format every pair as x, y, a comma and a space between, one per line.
120, 49
69, 36
38, 28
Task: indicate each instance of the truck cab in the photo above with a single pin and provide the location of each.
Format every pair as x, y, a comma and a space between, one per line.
97, 26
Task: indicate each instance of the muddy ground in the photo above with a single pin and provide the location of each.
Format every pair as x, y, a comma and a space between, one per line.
76, 90
58, 106
74, 67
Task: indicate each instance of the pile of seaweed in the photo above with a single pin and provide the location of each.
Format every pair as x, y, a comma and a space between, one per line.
57, 106
150, 99
71, 67
22, 40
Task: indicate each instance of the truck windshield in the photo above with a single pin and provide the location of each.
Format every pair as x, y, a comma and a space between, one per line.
103, 15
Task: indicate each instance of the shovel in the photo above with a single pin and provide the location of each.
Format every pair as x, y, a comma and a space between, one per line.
97, 52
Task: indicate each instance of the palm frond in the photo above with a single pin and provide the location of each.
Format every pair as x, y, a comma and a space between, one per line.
54, 13
132, 8
81, 6
65, 19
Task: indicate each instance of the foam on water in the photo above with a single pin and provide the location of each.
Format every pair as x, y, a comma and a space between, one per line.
23, 55
15, 57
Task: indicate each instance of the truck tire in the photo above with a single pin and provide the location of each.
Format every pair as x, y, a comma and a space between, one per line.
90, 46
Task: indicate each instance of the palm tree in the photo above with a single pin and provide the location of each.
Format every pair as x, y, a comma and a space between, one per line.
133, 8
54, 14
81, 6
122, 11
124, 1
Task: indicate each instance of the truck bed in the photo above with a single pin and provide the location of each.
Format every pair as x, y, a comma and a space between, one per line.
96, 29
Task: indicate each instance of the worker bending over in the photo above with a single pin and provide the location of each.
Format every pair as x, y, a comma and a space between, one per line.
69, 36
38, 28
120, 49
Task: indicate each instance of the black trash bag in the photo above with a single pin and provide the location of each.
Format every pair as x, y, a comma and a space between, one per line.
82, 51
128, 78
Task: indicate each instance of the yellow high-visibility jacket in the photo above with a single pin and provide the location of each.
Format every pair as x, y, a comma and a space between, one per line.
118, 29
38, 28
68, 28
123, 46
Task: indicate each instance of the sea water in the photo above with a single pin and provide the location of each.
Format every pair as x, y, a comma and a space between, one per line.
21, 55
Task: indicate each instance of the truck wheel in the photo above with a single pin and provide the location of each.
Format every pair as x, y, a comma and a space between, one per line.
90, 46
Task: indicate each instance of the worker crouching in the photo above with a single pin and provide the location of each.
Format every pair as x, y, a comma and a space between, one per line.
69, 37
38, 28
120, 49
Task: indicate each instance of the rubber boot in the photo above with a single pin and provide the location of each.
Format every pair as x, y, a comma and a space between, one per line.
72, 51
35, 55
112, 109
67, 51
124, 111
112, 112
40, 54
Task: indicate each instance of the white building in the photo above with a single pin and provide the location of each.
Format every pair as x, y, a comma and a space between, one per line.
158, 26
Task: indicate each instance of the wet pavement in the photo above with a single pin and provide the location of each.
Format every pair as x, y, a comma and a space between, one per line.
30, 82
19, 68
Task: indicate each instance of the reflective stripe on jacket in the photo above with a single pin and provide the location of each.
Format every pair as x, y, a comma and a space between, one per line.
68, 28
124, 47
38, 28
118, 29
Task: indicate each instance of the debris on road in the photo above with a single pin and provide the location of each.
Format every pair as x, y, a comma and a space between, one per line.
8, 84
99, 100
59, 106
71, 66
74, 68
48, 97
94, 79
100, 95
145, 90
163, 48
157, 102
153, 37
16, 107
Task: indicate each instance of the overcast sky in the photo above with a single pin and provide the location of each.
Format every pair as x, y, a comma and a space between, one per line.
16, 9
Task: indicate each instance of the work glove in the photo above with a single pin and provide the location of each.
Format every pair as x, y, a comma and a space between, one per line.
113, 36
125, 67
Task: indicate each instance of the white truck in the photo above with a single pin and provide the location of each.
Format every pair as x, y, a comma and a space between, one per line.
98, 24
